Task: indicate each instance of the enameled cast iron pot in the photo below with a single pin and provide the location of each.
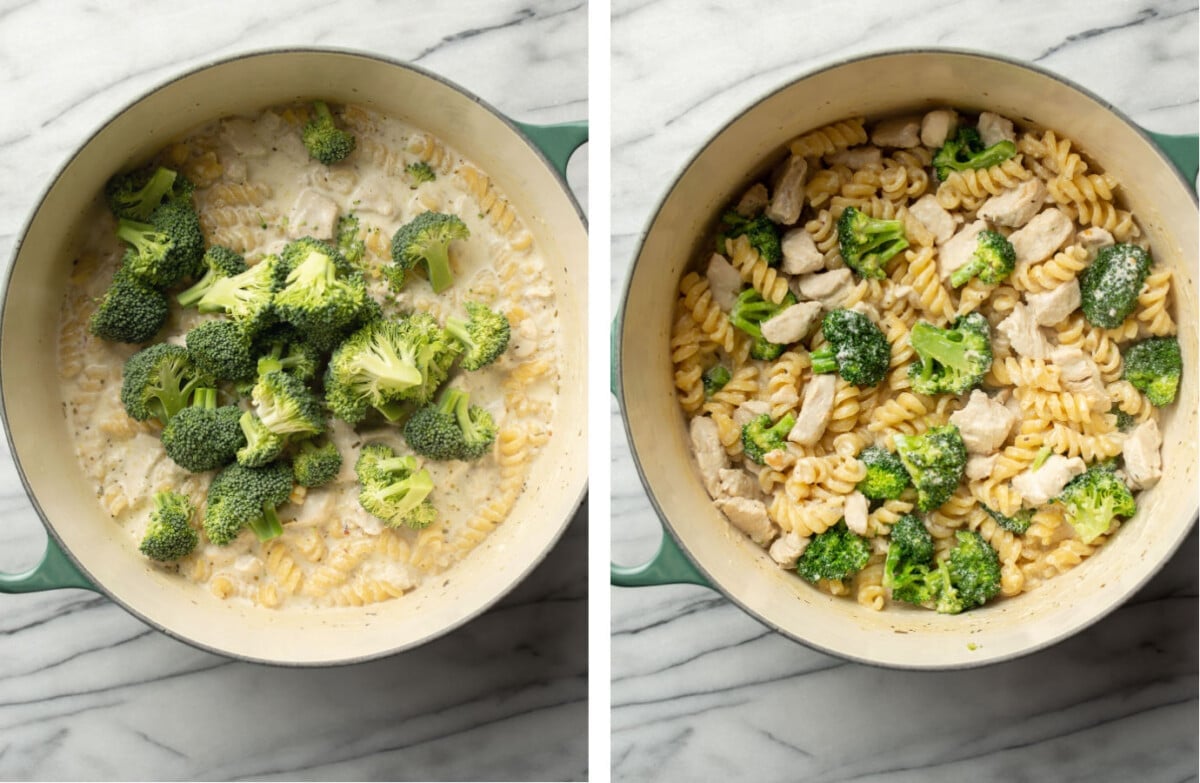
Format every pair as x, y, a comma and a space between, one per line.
701, 547
86, 549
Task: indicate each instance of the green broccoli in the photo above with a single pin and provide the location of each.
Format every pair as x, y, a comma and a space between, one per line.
1125, 422
760, 232
262, 445
935, 461
130, 312
1154, 367
965, 150
1110, 285
760, 436
169, 535
855, 348
249, 297
484, 335
715, 378
420, 172
868, 244
886, 475
135, 195
286, 406
426, 238
992, 261
280, 347
974, 572
349, 244
749, 312
241, 496
315, 298
835, 554
451, 429
393, 489
166, 249
1018, 523
316, 466
222, 349
324, 141
1093, 500
218, 262
952, 360
159, 381
203, 436
913, 540
906, 571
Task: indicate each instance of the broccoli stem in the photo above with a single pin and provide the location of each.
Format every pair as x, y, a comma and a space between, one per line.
438, 260
457, 328
205, 398
268, 525
142, 236
322, 110
191, 295
824, 360
939, 347
392, 411
391, 370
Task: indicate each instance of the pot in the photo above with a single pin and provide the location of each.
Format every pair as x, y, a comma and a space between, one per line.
85, 549
701, 547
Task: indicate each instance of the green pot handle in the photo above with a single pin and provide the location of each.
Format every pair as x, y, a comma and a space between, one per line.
1184, 152
557, 142
54, 572
669, 566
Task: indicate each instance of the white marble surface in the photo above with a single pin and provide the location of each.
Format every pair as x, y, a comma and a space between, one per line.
703, 692
88, 692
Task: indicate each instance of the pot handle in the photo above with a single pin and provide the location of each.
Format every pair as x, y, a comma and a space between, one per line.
557, 142
54, 572
1184, 152
669, 566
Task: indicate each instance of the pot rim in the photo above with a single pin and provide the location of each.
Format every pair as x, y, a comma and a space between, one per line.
52, 533
619, 390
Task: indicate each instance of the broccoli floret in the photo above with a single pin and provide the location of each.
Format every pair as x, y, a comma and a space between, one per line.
1125, 422
856, 348
911, 581
484, 335
262, 445
316, 466
386, 364
886, 476
992, 261
130, 312
749, 312
159, 381
965, 150
420, 172
760, 436
974, 570
868, 244
427, 238
451, 429
950, 360
136, 194
760, 231
715, 378
241, 496
315, 298
247, 298
281, 348
324, 141
1018, 523
217, 262
203, 437
286, 406
835, 554
1093, 500
1154, 367
169, 535
166, 249
935, 461
222, 349
912, 539
349, 244
1110, 285
393, 489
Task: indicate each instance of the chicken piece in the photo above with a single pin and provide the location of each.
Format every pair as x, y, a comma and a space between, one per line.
829, 288
787, 549
313, 215
750, 410
856, 158
1041, 236
937, 125
980, 466
1092, 239
959, 248
1143, 462
1023, 334
240, 134
898, 132
753, 201
1016, 206
373, 195
866, 309
1081, 375
815, 409
931, 214
1039, 486
710, 454
723, 281
788, 198
737, 483
800, 254
749, 516
994, 129
1053, 306
983, 423
855, 513
792, 324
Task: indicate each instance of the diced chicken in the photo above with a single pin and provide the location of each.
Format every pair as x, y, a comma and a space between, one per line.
1053, 306
1016, 206
710, 454
856, 158
1023, 334
1093, 238
800, 254
788, 198
723, 281
792, 324
1041, 236
1081, 375
815, 408
931, 214
749, 516
901, 132
983, 423
313, 215
239, 133
737, 483
829, 288
855, 512
1143, 462
994, 129
959, 248
980, 466
750, 410
753, 201
866, 309
373, 195
937, 125
1039, 486
787, 549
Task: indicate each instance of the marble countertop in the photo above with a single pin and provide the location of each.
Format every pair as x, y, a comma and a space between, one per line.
87, 692
701, 691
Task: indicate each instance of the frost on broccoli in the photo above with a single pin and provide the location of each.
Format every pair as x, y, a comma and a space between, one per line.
856, 348
1110, 285
886, 475
935, 461
1154, 367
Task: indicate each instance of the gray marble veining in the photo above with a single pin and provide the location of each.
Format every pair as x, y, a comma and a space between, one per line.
701, 691
87, 691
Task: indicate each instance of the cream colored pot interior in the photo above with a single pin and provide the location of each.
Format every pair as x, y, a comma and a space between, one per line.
36, 421
900, 636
